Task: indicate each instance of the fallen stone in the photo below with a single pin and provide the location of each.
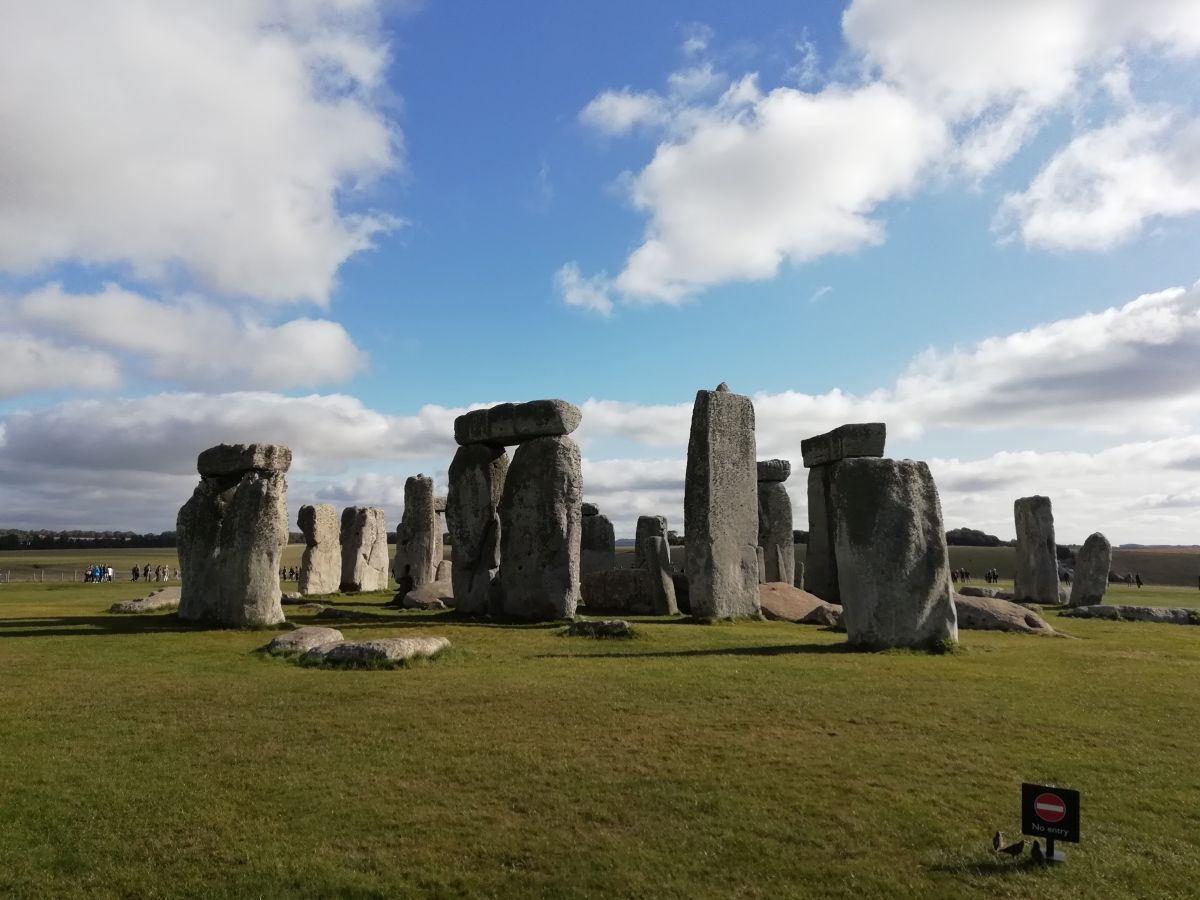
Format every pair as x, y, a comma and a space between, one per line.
476, 478
609, 628
379, 650
418, 537
774, 469
785, 603
158, 601
844, 442
235, 459
512, 423
1090, 579
775, 532
970, 590
1036, 579
321, 564
1164, 615
431, 595
990, 614
302, 640
364, 549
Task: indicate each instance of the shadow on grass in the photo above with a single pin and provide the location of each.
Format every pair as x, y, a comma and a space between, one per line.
84, 626
773, 650
989, 868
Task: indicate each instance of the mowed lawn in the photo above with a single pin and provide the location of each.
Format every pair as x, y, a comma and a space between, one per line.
142, 758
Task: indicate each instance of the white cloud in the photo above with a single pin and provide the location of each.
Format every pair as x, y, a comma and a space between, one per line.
584, 293
213, 144
619, 112
696, 38
33, 363
195, 343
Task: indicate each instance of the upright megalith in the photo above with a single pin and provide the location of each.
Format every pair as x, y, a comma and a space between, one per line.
418, 538
822, 453
364, 549
477, 475
597, 543
775, 535
647, 527
540, 530
720, 507
1037, 562
892, 561
321, 565
231, 535
1093, 562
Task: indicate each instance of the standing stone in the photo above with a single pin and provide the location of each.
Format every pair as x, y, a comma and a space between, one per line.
598, 544
659, 564
364, 549
647, 527
419, 537
1037, 563
720, 508
799, 576
893, 563
820, 569
762, 567
477, 475
540, 513
775, 534
1092, 565
321, 565
231, 535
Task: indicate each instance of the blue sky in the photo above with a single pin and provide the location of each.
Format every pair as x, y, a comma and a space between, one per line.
339, 224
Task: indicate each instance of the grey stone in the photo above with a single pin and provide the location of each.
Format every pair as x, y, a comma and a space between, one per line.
662, 582
162, 600
445, 571
598, 545
439, 504
364, 549
1092, 565
231, 535
720, 507
477, 475
590, 509
609, 628
798, 577
512, 423
419, 536
630, 591
970, 590
302, 640
774, 469
380, 650
844, 442
892, 560
993, 614
321, 564
782, 602
762, 565
820, 564
431, 595
647, 527
235, 459
775, 532
1036, 563
1163, 615
540, 530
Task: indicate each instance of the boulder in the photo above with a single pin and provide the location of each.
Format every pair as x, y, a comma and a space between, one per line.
477, 475
419, 536
540, 525
1090, 580
970, 590
662, 581
820, 564
235, 459
990, 614
431, 595
892, 560
844, 442
321, 564
589, 509
157, 601
380, 650
774, 470
598, 544
302, 640
609, 628
364, 549
783, 602
1036, 578
775, 532
647, 527
630, 591
1165, 615
512, 423
721, 508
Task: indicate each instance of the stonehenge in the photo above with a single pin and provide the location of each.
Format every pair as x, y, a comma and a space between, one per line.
1092, 565
720, 506
647, 590
418, 537
1037, 562
598, 545
321, 564
775, 522
477, 475
231, 535
364, 549
647, 527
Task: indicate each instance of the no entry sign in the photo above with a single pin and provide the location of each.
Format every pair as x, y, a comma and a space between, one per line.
1050, 812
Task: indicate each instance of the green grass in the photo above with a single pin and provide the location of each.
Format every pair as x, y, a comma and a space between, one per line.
140, 757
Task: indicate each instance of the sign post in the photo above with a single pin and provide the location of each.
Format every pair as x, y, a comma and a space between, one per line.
1051, 813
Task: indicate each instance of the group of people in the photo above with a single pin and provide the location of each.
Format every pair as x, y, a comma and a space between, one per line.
290, 574
145, 573
991, 576
957, 575
97, 573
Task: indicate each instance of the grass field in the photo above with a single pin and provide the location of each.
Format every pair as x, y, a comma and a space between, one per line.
143, 758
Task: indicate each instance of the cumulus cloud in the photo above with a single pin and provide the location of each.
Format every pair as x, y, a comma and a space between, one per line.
584, 293
619, 112
222, 145
33, 364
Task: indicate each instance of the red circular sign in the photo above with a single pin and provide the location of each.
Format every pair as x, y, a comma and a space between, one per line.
1049, 807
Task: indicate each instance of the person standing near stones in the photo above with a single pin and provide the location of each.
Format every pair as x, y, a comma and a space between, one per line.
1137, 579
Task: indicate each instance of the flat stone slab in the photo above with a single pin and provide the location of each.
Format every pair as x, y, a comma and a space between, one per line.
609, 628
992, 614
379, 650
302, 640
1166, 615
234, 459
512, 423
786, 603
159, 601
844, 442
774, 469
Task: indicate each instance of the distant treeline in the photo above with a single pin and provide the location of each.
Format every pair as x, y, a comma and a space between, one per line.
16, 539
973, 537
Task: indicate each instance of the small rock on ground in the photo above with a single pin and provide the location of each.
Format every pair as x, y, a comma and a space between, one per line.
302, 640
163, 599
379, 650
609, 628
1167, 615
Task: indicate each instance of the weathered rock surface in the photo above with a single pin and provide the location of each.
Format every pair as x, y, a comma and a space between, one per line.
540, 530
231, 535
647, 527
157, 601
970, 590
762, 565
844, 442
991, 614
321, 564
302, 640
445, 571
658, 562
1092, 565
609, 628
589, 509
364, 549
419, 536
775, 532
721, 508
798, 578
380, 650
512, 423
477, 475
431, 595
774, 469
820, 564
598, 545
783, 602
892, 560
1164, 615
1036, 579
